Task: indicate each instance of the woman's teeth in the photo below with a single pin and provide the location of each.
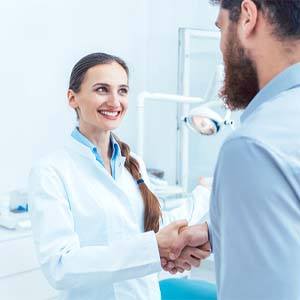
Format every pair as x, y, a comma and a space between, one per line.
109, 113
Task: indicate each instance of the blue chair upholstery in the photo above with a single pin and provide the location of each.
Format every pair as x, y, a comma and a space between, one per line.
187, 289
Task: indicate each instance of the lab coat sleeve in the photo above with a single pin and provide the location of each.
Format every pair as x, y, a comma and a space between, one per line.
254, 239
64, 262
196, 211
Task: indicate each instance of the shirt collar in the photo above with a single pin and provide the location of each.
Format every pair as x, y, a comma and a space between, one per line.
287, 79
116, 150
77, 135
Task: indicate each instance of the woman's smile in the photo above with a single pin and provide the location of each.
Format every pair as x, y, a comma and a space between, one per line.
109, 114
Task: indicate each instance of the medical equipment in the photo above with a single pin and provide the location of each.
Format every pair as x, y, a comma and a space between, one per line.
13, 210
205, 121
201, 119
18, 200
212, 123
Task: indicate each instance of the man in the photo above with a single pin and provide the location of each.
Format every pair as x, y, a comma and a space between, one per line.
255, 203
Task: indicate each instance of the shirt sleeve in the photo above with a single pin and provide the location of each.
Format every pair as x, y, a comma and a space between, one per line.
256, 241
66, 263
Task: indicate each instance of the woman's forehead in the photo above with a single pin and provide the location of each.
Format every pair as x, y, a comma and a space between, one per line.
112, 73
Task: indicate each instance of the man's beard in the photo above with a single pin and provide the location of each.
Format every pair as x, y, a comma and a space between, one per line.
241, 80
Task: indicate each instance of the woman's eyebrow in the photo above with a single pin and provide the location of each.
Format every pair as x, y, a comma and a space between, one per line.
107, 85
124, 86
101, 83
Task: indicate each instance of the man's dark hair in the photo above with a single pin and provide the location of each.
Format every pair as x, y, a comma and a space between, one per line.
284, 15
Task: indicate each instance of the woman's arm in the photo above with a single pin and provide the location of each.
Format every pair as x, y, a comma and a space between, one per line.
64, 262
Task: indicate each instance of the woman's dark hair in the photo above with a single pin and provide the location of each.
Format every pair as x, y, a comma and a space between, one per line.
284, 15
152, 211
89, 61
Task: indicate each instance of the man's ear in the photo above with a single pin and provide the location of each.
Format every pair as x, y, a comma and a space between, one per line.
72, 99
248, 19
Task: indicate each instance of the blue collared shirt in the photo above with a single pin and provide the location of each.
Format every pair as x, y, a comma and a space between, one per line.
255, 201
116, 151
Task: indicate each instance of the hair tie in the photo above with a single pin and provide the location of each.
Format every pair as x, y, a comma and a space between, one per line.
140, 181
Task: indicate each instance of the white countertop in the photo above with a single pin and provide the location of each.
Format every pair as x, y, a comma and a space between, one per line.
13, 234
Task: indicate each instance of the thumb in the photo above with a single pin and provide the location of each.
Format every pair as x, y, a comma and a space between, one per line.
179, 244
178, 225
206, 247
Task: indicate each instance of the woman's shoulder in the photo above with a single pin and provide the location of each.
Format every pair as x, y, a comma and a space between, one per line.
136, 156
56, 159
139, 159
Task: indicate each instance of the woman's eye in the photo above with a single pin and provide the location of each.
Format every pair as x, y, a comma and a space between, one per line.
123, 91
101, 89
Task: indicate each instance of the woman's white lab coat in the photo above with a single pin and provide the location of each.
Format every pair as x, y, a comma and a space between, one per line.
88, 228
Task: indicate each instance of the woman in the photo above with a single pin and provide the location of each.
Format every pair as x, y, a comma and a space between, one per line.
95, 221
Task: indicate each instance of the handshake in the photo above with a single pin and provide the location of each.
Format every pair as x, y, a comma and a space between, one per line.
182, 247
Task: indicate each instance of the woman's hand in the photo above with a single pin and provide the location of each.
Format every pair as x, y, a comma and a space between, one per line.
167, 236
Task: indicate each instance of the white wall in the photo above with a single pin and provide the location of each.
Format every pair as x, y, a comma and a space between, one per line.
41, 41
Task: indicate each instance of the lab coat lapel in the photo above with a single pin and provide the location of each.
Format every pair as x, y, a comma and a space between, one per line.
112, 184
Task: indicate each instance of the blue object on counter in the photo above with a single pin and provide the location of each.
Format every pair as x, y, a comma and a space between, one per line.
20, 209
187, 289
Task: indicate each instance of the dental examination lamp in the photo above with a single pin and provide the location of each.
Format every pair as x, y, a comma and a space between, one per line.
206, 121
201, 119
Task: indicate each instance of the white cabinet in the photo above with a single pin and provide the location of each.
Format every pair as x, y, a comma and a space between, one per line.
20, 276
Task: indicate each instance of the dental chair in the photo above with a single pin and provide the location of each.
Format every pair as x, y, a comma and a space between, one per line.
187, 289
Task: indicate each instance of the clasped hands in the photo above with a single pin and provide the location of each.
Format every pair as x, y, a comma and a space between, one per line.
182, 247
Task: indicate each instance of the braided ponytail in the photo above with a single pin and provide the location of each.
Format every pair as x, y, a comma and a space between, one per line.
152, 207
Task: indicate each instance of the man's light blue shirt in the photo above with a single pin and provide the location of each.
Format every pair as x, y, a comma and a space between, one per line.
116, 151
255, 202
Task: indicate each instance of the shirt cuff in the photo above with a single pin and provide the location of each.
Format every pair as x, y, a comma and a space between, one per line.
209, 235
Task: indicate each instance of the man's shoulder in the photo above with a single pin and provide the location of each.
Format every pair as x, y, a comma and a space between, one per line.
272, 124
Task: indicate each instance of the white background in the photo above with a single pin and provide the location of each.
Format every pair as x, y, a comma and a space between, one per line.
42, 40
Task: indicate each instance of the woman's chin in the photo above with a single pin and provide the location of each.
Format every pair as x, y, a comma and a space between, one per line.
108, 126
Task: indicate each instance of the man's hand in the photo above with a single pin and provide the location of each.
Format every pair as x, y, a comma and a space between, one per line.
193, 236
168, 235
189, 257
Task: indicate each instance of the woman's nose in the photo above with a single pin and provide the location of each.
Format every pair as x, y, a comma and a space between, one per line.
113, 100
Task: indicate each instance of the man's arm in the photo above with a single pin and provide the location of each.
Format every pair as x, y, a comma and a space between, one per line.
255, 242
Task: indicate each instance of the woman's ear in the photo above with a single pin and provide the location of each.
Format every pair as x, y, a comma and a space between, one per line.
72, 99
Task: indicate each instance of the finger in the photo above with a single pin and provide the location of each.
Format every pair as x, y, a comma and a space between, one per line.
180, 270
191, 251
179, 244
170, 265
187, 266
194, 262
179, 263
183, 264
195, 253
165, 269
173, 271
163, 261
206, 247
205, 254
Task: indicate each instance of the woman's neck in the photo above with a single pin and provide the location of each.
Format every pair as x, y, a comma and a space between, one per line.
100, 138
